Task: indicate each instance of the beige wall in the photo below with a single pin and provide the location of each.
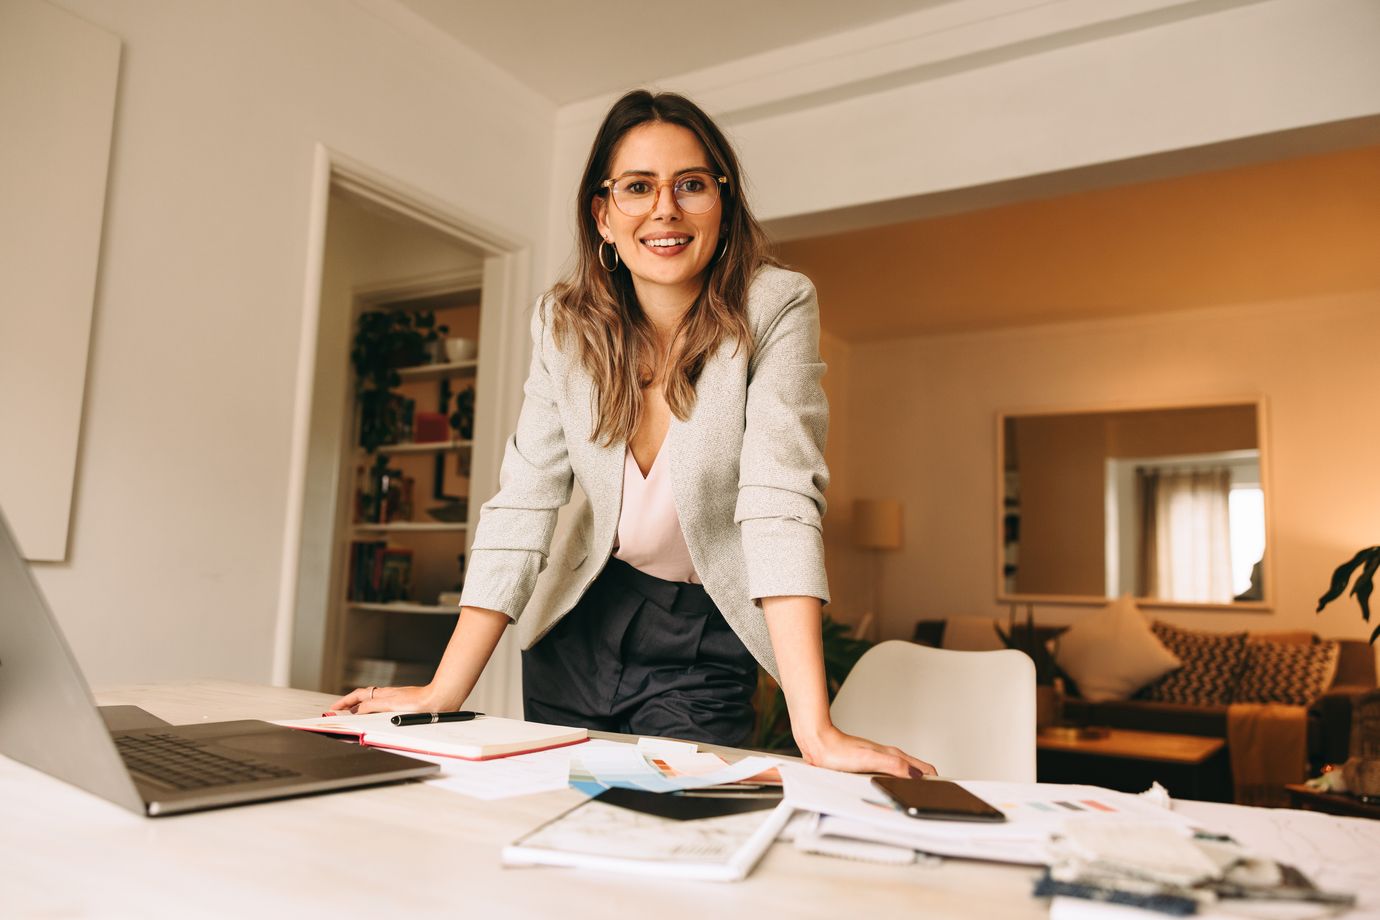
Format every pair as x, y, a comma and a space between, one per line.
1296, 227
926, 405
179, 523
929, 405
847, 569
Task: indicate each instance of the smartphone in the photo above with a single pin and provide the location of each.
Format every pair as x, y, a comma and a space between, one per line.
936, 798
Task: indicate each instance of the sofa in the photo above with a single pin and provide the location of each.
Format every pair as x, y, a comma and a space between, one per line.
1329, 715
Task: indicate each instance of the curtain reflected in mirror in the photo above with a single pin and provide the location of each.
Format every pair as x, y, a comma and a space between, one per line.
1165, 504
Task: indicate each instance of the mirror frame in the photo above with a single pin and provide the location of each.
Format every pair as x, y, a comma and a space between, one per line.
1264, 605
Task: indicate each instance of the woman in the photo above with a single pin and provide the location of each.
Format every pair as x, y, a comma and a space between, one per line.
676, 376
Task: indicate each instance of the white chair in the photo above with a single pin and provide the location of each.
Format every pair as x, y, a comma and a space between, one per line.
971, 714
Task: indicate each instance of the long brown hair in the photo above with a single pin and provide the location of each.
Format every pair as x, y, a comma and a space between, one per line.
598, 310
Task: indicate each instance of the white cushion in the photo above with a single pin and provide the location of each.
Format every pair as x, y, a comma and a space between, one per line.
1112, 653
971, 634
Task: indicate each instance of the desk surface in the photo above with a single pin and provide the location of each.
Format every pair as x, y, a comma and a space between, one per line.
415, 850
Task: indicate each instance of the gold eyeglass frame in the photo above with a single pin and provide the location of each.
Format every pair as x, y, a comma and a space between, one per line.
662, 183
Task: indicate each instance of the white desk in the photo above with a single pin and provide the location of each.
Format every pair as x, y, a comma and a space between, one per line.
411, 850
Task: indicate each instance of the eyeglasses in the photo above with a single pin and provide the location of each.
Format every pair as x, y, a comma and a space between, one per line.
695, 192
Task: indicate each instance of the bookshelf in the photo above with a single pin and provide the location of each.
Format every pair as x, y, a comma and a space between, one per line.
405, 522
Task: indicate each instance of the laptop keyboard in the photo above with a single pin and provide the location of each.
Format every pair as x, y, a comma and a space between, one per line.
183, 764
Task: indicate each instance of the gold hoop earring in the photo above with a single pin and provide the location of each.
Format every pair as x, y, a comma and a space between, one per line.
606, 266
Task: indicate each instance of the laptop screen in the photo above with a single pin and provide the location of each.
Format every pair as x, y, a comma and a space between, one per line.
48, 718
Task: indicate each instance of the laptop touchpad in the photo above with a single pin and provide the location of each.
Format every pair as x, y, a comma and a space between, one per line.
286, 743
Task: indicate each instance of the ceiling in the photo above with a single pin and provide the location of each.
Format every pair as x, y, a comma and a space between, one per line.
568, 51
1289, 229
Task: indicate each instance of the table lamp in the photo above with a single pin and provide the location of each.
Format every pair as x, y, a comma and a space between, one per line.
876, 527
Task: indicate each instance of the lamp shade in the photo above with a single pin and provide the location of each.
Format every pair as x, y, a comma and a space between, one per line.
877, 523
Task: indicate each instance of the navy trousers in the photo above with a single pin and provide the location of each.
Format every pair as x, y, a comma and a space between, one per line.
644, 656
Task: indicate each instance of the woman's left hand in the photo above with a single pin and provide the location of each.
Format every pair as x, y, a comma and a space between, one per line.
836, 750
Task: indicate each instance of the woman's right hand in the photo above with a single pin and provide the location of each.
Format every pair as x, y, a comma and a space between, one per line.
389, 699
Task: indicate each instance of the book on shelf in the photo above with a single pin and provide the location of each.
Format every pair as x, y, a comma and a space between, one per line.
379, 573
395, 574
366, 569
484, 738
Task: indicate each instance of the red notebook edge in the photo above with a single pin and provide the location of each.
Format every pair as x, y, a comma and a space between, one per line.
405, 750
358, 736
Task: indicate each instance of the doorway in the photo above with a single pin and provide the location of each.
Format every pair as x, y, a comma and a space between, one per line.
377, 537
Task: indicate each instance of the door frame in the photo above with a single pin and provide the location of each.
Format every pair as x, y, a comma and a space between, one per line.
300, 629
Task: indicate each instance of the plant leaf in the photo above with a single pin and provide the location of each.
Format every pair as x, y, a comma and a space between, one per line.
1342, 575
1365, 583
1375, 634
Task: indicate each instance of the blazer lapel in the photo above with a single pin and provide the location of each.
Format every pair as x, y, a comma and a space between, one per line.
602, 464
690, 442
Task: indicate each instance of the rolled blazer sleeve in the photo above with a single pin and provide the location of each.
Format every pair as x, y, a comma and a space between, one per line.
513, 538
782, 474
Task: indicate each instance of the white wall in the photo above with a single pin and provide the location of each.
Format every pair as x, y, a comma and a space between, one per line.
58, 77
1051, 99
929, 407
178, 526
864, 127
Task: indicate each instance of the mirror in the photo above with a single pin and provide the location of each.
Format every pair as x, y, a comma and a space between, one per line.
1164, 504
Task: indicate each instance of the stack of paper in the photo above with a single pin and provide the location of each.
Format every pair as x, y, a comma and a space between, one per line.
592, 770
1035, 812
508, 777
1164, 869
648, 813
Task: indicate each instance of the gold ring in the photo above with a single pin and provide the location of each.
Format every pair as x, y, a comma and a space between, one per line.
371, 692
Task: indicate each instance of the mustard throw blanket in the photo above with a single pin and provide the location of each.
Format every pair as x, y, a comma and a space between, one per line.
1268, 743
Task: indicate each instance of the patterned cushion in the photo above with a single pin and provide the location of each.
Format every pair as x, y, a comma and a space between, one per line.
1212, 667
1278, 672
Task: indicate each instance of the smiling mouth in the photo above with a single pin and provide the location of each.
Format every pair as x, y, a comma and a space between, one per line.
667, 244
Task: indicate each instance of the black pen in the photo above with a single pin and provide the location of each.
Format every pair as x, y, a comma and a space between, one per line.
427, 718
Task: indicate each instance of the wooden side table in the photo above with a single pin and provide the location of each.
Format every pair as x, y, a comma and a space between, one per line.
1189, 766
1332, 803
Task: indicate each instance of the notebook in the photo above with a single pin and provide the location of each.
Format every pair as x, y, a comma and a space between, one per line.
484, 738
615, 835
49, 721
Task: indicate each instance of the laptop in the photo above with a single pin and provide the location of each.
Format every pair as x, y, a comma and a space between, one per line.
49, 720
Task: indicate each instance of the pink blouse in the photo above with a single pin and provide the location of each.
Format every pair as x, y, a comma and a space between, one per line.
649, 535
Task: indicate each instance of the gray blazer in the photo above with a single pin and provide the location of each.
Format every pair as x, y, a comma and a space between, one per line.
747, 472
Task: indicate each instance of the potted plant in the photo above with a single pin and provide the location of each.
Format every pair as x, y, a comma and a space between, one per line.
1368, 560
386, 340
1361, 773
